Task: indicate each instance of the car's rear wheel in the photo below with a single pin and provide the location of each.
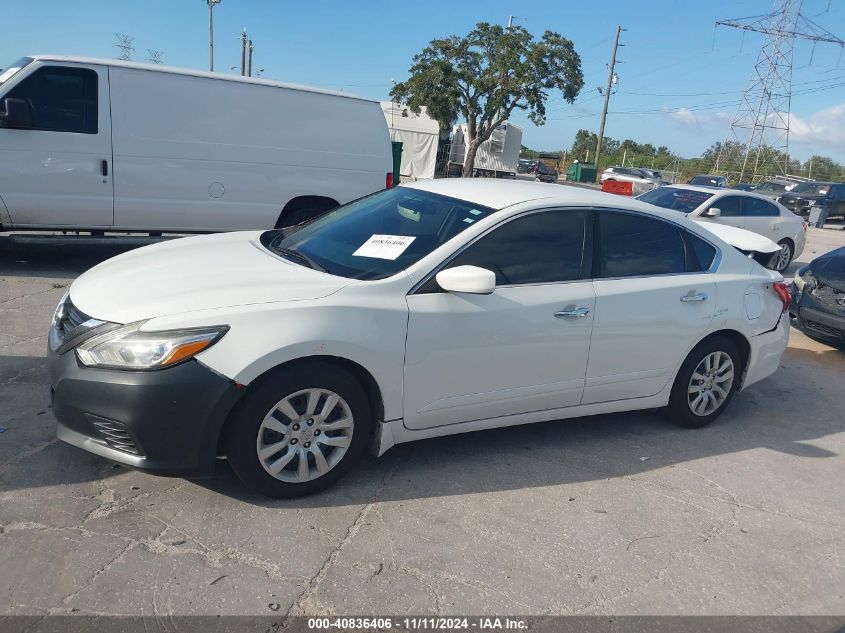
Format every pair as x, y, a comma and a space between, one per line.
299, 430
781, 260
705, 384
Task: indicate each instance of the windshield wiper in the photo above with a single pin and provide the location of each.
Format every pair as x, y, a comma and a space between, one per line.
296, 256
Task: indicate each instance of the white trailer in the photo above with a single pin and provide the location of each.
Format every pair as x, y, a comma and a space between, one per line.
106, 145
419, 135
497, 157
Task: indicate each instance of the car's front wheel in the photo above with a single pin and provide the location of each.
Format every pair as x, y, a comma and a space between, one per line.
705, 383
299, 430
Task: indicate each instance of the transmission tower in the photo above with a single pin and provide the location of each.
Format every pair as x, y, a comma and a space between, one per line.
124, 45
759, 141
154, 56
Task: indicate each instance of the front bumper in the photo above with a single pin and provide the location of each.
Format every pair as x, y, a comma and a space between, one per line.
166, 422
815, 319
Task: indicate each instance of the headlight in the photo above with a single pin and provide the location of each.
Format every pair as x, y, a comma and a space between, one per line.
804, 279
129, 348
811, 203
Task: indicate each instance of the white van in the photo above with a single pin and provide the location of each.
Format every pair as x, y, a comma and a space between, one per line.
101, 144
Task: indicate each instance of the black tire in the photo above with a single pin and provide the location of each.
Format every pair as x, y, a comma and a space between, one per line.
243, 427
298, 216
679, 410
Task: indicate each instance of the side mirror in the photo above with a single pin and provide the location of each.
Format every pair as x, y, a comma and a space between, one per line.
469, 279
714, 212
17, 114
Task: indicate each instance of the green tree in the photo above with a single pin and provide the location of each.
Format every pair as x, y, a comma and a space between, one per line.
822, 168
487, 74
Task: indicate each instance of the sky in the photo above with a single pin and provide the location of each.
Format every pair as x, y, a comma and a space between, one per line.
680, 77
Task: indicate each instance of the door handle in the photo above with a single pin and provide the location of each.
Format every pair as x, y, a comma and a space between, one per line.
575, 312
104, 167
694, 298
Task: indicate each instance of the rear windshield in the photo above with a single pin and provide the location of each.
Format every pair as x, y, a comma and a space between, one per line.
376, 236
11, 71
683, 200
711, 181
813, 188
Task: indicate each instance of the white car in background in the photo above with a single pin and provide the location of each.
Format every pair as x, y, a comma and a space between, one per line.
433, 308
741, 209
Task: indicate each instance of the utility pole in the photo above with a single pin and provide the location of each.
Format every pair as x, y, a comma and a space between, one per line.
759, 137
124, 45
249, 63
243, 52
211, 4
511, 18
610, 76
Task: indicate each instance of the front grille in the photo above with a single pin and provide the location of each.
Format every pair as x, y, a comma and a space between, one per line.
117, 436
830, 296
68, 320
821, 328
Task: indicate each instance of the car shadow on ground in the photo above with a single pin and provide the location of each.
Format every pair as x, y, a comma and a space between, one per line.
58, 256
773, 415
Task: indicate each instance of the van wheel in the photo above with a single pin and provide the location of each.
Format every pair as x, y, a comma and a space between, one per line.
299, 430
705, 384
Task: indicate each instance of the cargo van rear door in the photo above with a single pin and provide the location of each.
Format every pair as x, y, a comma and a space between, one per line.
58, 168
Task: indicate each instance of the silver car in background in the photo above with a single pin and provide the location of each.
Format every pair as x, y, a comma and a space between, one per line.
642, 179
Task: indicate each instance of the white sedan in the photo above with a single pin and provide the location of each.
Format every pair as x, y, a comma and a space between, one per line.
429, 309
741, 209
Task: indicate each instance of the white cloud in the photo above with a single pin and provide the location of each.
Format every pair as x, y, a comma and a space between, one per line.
687, 117
684, 116
825, 128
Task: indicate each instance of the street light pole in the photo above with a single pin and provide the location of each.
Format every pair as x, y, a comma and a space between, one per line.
243, 53
211, 4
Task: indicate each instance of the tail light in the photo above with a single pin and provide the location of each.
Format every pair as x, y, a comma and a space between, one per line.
388, 181
805, 225
782, 291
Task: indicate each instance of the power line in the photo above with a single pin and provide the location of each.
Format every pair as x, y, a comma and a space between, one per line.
760, 128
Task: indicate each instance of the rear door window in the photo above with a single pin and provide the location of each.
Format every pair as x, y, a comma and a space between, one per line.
630, 245
757, 208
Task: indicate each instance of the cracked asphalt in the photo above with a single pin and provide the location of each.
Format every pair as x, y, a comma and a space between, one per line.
616, 514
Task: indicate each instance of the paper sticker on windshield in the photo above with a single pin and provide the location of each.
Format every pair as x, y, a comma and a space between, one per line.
384, 246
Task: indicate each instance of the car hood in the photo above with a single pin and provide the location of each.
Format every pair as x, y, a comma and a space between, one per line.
740, 238
803, 196
195, 273
829, 269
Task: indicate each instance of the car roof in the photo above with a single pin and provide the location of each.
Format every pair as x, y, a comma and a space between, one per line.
502, 193
720, 191
173, 70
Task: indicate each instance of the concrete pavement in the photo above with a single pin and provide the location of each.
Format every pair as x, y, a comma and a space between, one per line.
617, 514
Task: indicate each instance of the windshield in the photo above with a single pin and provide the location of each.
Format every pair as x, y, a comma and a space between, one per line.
711, 181
683, 200
9, 72
813, 188
771, 186
377, 236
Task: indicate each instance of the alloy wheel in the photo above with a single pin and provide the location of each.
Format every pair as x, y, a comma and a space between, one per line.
305, 435
710, 384
782, 258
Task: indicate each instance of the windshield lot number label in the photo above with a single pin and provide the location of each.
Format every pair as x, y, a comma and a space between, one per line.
384, 246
